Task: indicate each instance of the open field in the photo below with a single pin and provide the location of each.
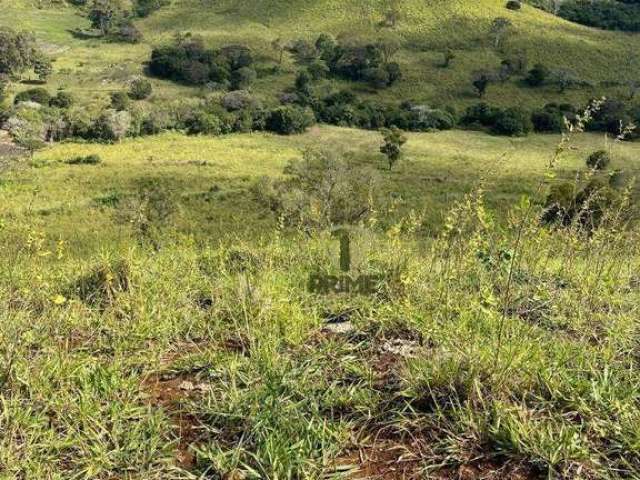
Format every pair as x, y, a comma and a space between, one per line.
211, 176
495, 349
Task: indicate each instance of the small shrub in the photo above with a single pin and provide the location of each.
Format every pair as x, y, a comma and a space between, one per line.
243, 78
62, 100
289, 119
202, 122
514, 122
551, 118
37, 95
140, 89
393, 141
538, 75
599, 160
85, 160
514, 5
239, 100
119, 101
102, 285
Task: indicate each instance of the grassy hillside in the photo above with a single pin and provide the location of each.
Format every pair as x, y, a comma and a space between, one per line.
494, 349
157, 310
93, 67
210, 177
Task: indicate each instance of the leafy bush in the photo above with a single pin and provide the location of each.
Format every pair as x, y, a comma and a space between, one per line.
290, 119
610, 116
18, 51
188, 61
62, 100
86, 160
510, 121
119, 101
140, 89
568, 204
513, 121
37, 95
239, 100
112, 125
599, 160
514, 5
243, 78
480, 115
303, 199
203, 122
551, 118
538, 75
144, 8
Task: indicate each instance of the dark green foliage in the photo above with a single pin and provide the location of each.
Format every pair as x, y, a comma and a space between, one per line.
106, 15
126, 32
538, 75
18, 51
480, 80
243, 78
480, 115
514, 5
318, 69
513, 121
303, 87
62, 100
144, 8
568, 204
611, 116
140, 89
326, 46
509, 121
560, 204
420, 118
203, 122
187, 61
120, 101
37, 95
239, 100
599, 160
551, 118
606, 14
359, 63
86, 160
42, 67
393, 141
289, 119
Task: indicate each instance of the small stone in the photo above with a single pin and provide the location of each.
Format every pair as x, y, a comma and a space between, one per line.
187, 385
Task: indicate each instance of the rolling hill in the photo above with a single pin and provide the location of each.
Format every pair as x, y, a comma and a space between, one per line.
604, 59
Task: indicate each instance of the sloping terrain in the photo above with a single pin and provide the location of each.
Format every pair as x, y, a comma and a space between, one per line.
425, 28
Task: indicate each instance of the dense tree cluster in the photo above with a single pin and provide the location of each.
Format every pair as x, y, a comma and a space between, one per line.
113, 20
19, 53
187, 60
607, 14
371, 63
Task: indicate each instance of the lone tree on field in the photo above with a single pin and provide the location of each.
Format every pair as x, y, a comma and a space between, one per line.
43, 68
480, 79
105, 15
500, 28
447, 57
280, 46
392, 147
